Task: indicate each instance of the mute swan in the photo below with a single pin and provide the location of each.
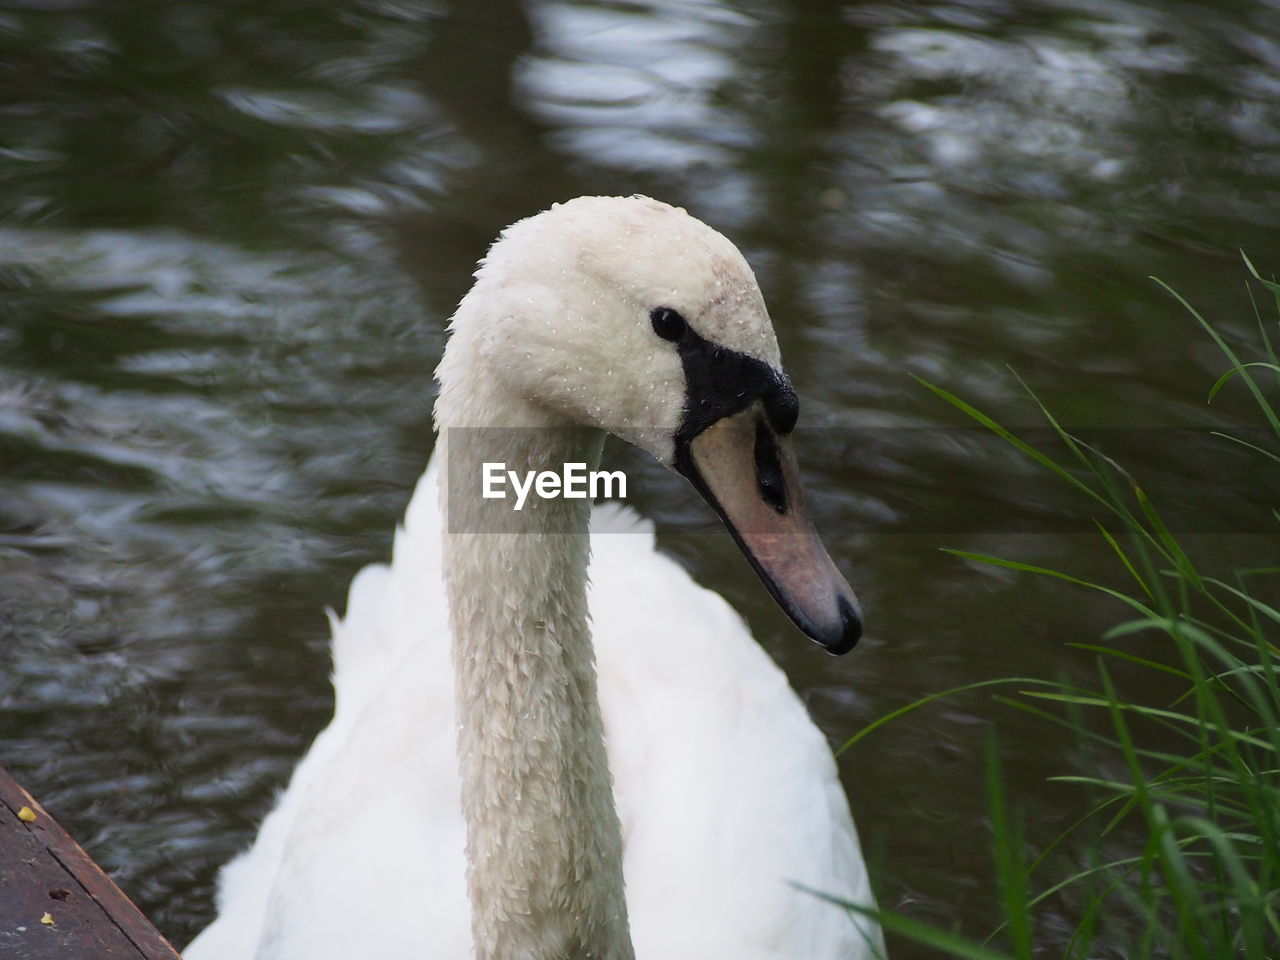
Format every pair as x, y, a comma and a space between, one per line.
449, 815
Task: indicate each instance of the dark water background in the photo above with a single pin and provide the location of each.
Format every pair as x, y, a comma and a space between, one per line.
230, 234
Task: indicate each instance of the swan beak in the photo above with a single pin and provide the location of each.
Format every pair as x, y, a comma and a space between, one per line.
747, 472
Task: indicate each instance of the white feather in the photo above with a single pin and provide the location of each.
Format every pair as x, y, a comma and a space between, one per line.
726, 791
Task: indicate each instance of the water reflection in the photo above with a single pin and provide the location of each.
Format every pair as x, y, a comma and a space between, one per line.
232, 232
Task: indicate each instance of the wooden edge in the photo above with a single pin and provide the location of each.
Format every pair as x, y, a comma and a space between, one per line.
119, 911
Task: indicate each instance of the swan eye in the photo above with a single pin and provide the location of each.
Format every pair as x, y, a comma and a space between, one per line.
667, 323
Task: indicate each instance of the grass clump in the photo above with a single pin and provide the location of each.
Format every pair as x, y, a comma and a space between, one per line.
1192, 792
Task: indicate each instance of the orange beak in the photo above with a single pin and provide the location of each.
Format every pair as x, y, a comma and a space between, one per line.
747, 472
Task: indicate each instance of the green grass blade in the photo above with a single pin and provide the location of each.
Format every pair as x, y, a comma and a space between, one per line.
1011, 872
1221, 381
1245, 443
1230, 354
1047, 572
1124, 558
916, 704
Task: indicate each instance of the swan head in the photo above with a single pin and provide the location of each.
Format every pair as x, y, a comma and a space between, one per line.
633, 317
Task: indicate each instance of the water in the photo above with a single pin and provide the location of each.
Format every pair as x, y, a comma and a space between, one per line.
232, 232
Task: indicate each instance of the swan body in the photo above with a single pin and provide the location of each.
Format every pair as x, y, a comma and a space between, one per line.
421, 825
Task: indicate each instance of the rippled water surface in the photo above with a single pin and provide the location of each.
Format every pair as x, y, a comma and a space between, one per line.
231, 233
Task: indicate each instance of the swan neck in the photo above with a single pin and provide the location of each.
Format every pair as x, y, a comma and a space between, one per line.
544, 846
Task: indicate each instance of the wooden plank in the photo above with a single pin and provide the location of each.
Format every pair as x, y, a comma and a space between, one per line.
55, 902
